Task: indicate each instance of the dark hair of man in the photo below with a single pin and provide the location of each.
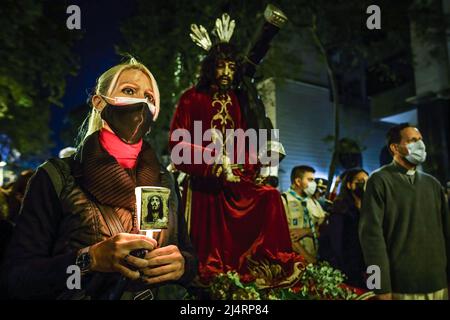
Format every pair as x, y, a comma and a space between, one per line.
394, 134
299, 172
345, 199
221, 51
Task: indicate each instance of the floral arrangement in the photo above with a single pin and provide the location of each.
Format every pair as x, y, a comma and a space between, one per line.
270, 281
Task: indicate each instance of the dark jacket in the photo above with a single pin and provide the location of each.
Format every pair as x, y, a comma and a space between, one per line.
339, 243
51, 229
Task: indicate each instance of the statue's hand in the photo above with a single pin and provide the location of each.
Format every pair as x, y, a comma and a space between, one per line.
227, 170
232, 178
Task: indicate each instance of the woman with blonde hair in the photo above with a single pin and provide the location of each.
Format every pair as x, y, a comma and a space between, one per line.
79, 212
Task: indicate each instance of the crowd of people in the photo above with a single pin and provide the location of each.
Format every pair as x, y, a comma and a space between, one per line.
396, 220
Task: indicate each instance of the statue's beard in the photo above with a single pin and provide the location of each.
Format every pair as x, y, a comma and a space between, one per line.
224, 85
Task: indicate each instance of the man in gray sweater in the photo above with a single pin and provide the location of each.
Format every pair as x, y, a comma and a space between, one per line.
404, 226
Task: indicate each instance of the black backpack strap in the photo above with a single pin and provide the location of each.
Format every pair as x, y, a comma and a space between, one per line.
284, 197
57, 170
285, 202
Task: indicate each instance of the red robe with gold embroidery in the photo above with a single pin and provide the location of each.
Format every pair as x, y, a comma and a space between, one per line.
227, 221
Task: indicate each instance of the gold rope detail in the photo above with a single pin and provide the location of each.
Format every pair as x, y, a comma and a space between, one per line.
187, 212
223, 116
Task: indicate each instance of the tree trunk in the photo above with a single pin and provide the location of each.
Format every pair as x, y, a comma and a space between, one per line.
335, 93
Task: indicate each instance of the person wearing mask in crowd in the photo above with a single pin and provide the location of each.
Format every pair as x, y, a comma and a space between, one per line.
404, 226
339, 243
304, 213
320, 194
80, 211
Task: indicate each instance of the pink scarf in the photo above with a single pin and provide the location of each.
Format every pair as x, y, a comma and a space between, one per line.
125, 154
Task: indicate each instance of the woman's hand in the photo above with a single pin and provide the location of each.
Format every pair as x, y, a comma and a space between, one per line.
164, 264
113, 254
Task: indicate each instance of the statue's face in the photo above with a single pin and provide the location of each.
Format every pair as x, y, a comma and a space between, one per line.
155, 202
225, 70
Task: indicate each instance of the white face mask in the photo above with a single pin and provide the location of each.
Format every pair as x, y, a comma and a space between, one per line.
123, 101
417, 152
311, 189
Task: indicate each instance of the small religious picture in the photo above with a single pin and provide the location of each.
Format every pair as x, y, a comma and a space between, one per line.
153, 207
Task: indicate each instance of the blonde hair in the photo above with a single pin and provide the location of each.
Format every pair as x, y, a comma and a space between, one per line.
106, 83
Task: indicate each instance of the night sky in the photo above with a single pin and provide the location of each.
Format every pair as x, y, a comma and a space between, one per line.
100, 23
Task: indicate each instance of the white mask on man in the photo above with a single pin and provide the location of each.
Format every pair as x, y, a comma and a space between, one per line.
311, 189
417, 152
